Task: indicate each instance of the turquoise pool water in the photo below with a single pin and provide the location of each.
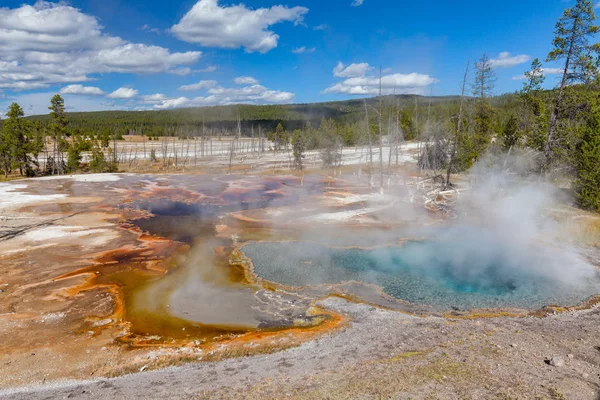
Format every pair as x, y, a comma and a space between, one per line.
444, 274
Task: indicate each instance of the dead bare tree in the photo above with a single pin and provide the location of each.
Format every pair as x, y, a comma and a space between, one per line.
368, 130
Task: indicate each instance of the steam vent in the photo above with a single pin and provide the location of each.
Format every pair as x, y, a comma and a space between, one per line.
299, 200
193, 268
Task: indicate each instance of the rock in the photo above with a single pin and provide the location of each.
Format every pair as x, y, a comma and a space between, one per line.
556, 361
585, 376
102, 322
513, 345
143, 368
571, 356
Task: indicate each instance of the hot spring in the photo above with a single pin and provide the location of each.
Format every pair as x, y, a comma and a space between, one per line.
449, 273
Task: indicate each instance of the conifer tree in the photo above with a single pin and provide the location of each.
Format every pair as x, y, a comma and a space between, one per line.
483, 86
572, 47
58, 130
298, 147
587, 162
510, 133
534, 77
15, 149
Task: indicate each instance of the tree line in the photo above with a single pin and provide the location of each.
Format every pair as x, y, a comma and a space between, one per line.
560, 127
23, 142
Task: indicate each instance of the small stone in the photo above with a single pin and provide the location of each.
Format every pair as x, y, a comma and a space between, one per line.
556, 361
585, 376
102, 322
513, 345
143, 368
571, 356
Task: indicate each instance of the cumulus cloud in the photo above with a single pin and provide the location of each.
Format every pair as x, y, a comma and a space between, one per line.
506, 60
153, 98
303, 49
359, 83
49, 43
199, 86
123, 93
80, 89
245, 80
211, 25
351, 71
218, 95
357, 3
210, 68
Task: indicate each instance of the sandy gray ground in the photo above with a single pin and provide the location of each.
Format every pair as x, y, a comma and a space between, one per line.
386, 354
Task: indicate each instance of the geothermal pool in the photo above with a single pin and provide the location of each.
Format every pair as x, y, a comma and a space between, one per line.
446, 274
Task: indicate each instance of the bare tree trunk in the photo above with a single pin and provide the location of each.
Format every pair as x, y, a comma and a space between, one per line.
368, 128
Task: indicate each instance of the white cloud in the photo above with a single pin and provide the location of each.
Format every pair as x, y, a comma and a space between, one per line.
303, 49
506, 60
350, 71
199, 86
80, 89
233, 27
245, 80
218, 95
173, 103
123, 93
49, 43
210, 68
321, 27
153, 98
357, 3
180, 71
359, 83
148, 28
545, 71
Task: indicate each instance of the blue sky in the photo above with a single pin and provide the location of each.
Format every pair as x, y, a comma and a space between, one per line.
134, 54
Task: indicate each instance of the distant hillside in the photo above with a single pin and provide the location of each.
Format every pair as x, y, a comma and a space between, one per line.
225, 117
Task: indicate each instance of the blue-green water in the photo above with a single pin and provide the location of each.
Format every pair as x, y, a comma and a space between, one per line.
443, 274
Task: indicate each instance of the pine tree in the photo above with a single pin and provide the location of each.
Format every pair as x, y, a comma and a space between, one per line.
533, 118
16, 147
298, 147
572, 46
58, 130
587, 159
5, 151
485, 78
483, 122
534, 77
510, 133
